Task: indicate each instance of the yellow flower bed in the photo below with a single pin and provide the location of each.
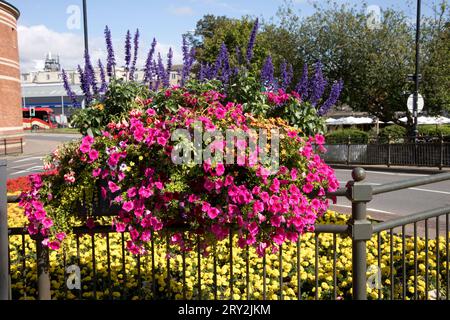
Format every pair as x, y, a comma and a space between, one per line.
134, 284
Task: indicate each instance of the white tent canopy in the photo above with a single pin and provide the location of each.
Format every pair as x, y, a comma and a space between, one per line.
349, 121
429, 120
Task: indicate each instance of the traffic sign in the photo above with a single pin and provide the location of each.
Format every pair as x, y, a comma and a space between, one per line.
412, 77
420, 103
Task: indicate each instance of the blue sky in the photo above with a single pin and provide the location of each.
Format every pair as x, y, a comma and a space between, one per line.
44, 23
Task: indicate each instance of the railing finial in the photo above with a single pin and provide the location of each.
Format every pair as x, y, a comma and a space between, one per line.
358, 174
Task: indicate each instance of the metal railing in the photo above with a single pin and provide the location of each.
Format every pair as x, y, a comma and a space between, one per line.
408, 263
11, 146
431, 154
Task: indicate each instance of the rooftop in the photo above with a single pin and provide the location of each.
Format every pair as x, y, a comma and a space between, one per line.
47, 90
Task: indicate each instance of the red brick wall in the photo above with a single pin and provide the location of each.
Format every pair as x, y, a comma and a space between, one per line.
10, 93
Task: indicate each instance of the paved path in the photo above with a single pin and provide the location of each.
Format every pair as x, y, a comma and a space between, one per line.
37, 146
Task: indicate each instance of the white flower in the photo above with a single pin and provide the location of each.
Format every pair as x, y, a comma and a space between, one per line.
123, 167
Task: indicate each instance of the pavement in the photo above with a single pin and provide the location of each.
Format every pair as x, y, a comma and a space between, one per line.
382, 207
36, 147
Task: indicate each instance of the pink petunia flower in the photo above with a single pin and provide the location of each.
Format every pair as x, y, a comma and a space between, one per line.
213, 212
128, 206
220, 169
93, 155
54, 245
113, 187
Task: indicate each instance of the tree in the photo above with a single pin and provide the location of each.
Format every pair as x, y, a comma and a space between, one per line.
372, 61
365, 58
212, 31
436, 60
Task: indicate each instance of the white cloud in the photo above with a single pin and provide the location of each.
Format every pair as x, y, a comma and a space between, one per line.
181, 11
36, 41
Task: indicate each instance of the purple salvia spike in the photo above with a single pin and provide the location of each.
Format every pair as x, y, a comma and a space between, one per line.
191, 61
212, 71
185, 50
251, 42
162, 72
104, 85
84, 86
302, 86
290, 75
335, 92
208, 71
318, 84
169, 66
90, 73
235, 71
286, 75
267, 73
148, 64
127, 51
192, 54
135, 56
72, 96
188, 61
156, 73
111, 60
224, 63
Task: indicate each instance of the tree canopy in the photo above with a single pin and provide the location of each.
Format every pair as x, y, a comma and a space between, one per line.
373, 61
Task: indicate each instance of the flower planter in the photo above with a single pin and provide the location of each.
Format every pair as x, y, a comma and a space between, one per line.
100, 204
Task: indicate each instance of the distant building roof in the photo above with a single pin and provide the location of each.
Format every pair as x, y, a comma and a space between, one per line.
46, 90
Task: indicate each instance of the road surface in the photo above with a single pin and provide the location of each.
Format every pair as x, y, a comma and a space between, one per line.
398, 203
37, 147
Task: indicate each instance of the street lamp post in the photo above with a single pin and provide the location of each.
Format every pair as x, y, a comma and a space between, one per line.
86, 42
416, 75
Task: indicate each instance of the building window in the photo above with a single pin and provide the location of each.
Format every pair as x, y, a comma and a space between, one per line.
25, 77
174, 76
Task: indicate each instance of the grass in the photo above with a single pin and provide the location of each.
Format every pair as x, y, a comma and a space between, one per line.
60, 131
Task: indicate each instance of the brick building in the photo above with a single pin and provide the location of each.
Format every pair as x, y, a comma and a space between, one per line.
10, 91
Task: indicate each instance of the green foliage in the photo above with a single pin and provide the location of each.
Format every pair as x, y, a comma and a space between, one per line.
343, 136
212, 31
89, 119
300, 115
119, 99
430, 130
247, 89
393, 133
121, 95
436, 60
372, 62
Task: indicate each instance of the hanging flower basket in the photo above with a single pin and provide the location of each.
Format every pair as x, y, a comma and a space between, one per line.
217, 153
